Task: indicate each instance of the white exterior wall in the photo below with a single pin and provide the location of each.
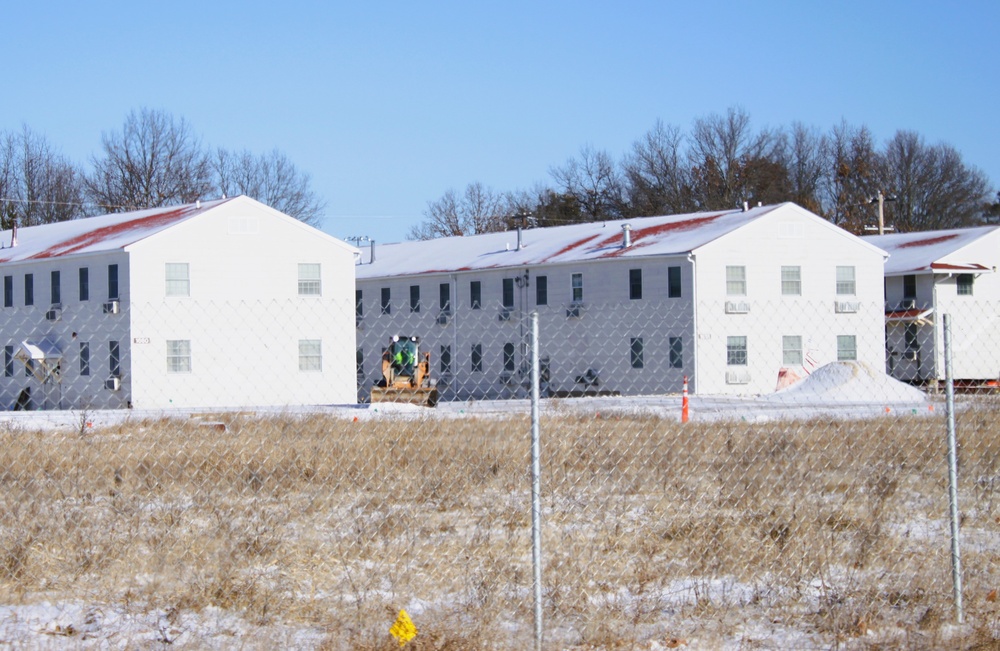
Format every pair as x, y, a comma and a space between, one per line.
790, 238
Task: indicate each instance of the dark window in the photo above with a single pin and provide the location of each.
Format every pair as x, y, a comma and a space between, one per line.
910, 336
8, 361
359, 303
477, 358
114, 359
360, 362
444, 297
29, 289
964, 282
445, 359
414, 298
508, 293
8, 291
112, 282
84, 284
476, 294
673, 282
84, 358
909, 286
55, 289
635, 352
542, 290
386, 301
635, 284
508, 357
676, 352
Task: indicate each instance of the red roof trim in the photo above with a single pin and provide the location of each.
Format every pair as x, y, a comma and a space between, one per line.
928, 241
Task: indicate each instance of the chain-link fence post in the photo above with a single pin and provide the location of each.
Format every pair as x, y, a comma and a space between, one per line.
536, 526
956, 560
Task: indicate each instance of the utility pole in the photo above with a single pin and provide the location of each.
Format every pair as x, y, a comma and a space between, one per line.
881, 199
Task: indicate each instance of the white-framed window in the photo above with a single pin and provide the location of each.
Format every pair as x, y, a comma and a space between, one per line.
636, 356
178, 356
310, 279
846, 284
847, 348
676, 352
791, 350
791, 281
178, 275
963, 283
310, 355
736, 280
736, 350
576, 287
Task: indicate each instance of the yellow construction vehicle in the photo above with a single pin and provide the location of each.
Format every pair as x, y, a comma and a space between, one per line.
405, 374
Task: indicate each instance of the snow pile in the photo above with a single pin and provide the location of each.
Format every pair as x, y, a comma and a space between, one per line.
849, 382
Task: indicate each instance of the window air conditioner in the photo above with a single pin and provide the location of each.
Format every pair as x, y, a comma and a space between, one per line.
741, 307
913, 355
908, 304
737, 377
54, 314
113, 383
112, 307
574, 311
504, 315
847, 307
443, 318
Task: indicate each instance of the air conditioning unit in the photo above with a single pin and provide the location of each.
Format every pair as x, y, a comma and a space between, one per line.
737, 377
504, 315
54, 314
112, 307
444, 318
908, 304
113, 383
913, 355
507, 378
846, 307
741, 307
574, 311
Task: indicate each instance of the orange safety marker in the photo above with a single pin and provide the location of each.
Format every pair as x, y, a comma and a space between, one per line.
684, 402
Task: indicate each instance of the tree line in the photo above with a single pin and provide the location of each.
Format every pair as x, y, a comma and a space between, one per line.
153, 160
723, 162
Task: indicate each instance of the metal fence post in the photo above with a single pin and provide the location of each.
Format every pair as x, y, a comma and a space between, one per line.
536, 510
956, 561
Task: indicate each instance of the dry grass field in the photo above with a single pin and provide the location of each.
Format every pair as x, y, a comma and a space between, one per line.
313, 532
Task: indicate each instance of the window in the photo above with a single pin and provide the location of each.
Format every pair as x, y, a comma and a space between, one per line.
359, 362
29, 368
909, 287
476, 294
113, 282
476, 358
444, 297
310, 279
634, 284
576, 285
846, 285
791, 350
791, 281
736, 351
635, 352
847, 348
8, 361
508, 293
114, 359
8, 291
414, 298
84, 283
359, 303
676, 352
910, 336
55, 288
386, 301
508, 357
178, 356
673, 282
84, 358
736, 281
541, 290
310, 355
179, 279
445, 358
29, 289
964, 284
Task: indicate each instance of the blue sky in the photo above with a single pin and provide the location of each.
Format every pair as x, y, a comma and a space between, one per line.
388, 105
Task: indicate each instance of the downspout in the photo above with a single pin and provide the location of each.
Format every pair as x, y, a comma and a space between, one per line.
454, 335
693, 375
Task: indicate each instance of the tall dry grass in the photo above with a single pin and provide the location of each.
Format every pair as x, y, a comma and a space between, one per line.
826, 533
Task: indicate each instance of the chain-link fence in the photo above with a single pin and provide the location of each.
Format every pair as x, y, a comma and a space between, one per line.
815, 517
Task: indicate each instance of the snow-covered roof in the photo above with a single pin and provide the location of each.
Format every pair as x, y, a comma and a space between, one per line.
933, 251
651, 236
95, 234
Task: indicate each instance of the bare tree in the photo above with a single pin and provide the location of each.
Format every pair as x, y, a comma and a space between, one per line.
37, 185
155, 160
478, 210
271, 179
656, 180
854, 177
933, 188
803, 154
731, 164
595, 183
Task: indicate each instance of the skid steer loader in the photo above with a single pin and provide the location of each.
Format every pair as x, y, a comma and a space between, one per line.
405, 374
